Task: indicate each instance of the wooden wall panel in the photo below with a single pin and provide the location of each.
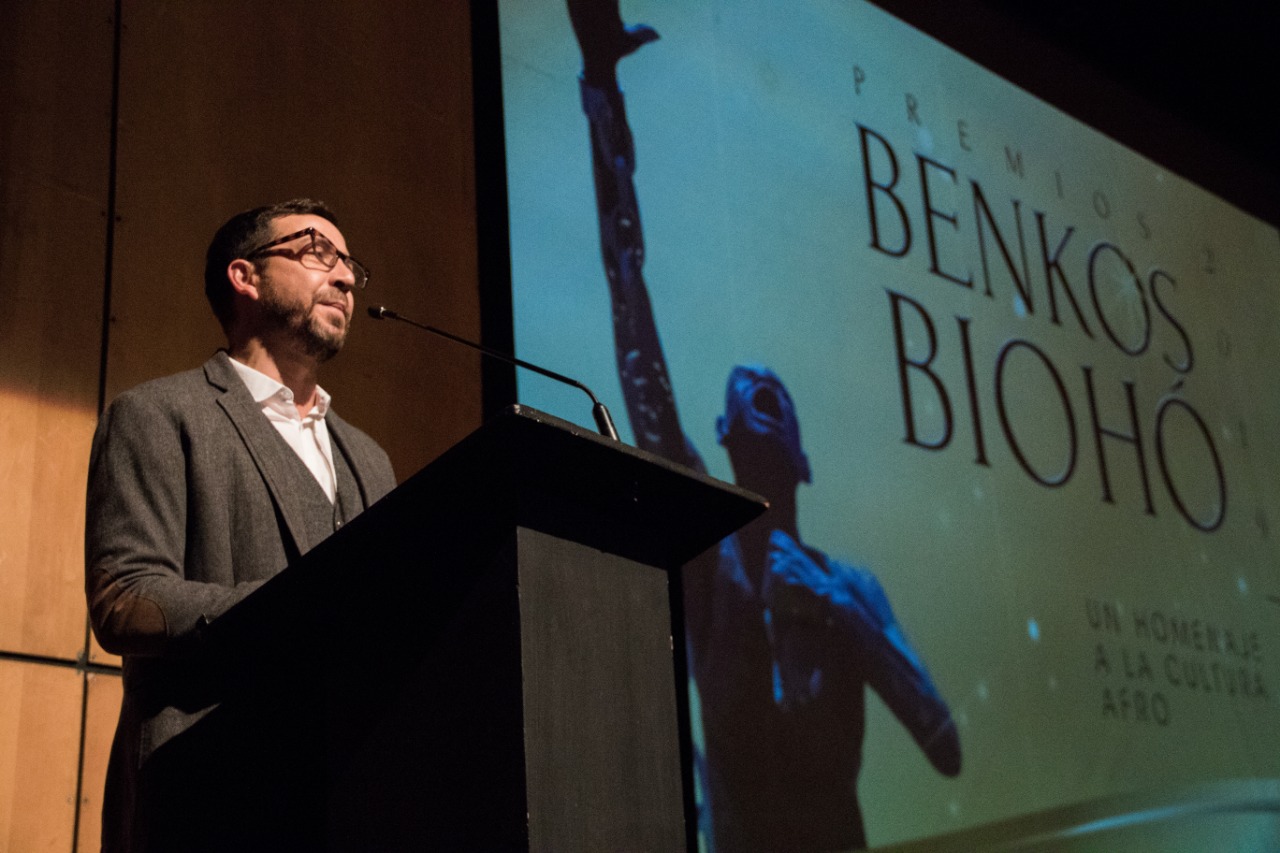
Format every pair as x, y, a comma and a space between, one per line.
39, 750
102, 708
44, 454
55, 93
226, 105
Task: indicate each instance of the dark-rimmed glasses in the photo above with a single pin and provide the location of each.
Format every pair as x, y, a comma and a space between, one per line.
321, 249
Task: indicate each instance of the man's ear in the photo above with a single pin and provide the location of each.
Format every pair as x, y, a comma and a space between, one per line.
243, 276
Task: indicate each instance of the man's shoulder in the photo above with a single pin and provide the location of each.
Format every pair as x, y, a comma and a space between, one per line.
177, 387
166, 387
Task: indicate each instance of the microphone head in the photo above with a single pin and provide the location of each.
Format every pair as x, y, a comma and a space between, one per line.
378, 312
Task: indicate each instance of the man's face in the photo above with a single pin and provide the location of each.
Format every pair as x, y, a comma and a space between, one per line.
301, 298
761, 431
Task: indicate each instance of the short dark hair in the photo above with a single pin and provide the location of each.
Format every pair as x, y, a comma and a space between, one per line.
239, 236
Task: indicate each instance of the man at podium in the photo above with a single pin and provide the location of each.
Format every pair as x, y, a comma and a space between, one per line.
204, 484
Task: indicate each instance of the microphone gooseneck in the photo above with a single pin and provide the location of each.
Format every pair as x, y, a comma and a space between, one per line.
604, 423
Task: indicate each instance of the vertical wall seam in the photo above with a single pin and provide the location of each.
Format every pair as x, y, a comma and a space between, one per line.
113, 137
109, 254
79, 798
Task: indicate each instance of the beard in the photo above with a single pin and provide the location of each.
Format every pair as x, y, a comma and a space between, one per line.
301, 325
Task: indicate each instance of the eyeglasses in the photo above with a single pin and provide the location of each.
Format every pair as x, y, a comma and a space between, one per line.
320, 250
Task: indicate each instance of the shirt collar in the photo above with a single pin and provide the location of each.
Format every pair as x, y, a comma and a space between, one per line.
269, 392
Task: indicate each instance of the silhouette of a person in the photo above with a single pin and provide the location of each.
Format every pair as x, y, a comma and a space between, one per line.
781, 638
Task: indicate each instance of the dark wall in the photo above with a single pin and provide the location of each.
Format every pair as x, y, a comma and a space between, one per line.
1188, 87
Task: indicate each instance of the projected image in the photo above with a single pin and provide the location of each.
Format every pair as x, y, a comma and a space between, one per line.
1028, 527
781, 638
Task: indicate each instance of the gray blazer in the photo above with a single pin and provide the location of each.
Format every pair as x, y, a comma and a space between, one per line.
187, 514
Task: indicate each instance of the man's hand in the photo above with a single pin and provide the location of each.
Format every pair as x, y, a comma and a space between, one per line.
604, 39
797, 586
801, 598
816, 617
824, 619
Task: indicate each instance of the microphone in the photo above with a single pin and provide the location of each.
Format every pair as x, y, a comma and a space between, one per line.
604, 423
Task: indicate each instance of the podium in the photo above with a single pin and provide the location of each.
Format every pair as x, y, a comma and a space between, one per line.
483, 660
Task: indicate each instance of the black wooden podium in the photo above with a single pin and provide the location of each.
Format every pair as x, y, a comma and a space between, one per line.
483, 660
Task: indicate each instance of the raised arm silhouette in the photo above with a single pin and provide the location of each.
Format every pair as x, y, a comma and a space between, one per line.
782, 639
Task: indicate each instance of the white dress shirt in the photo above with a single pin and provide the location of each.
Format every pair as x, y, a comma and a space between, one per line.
306, 434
